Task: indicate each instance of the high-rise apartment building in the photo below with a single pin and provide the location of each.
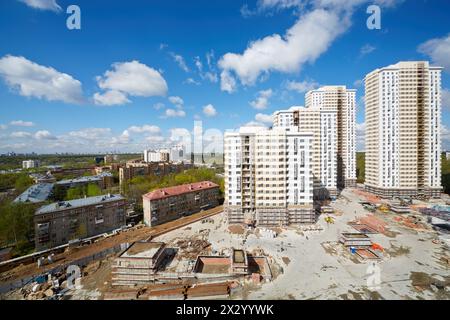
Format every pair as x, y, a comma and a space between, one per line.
268, 176
330, 114
403, 123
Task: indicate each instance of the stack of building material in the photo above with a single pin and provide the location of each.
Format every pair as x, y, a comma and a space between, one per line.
209, 291
121, 295
178, 293
374, 223
368, 254
355, 240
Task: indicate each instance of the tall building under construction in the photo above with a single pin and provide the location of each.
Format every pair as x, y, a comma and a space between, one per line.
330, 114
268, 176
403, 123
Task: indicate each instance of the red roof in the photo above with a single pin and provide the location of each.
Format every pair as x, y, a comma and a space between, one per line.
178, 190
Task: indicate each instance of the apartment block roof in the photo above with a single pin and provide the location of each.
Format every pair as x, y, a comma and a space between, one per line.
36, 193
179, 190
86, 179
78, 203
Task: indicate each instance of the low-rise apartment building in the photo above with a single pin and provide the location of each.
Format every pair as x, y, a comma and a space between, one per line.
58, 223
171, 203
103, 180
138, 168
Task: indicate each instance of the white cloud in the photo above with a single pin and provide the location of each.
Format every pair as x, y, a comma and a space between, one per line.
90, 133
262, 101
144, 129
366, 49
33, 80
211, 77
43, 4
445, 94
20, 134
123, 139
320, 22
3, 126
254, 124
210, 74
21, 123
445, 138
438, 50
173, 113
360, 136
159, 106
209, 110
176, 101
191, 81
227, 82
155, 139
44, 135
358, 83
264, 118
302, 87
304, 42
198, 64
111, 98
180, 61
130, 79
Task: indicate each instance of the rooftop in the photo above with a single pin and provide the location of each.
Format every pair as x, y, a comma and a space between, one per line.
63, 205
143, 250
178, 190
86, 179
36, 193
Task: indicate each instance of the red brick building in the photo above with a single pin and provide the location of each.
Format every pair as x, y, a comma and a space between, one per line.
171, 203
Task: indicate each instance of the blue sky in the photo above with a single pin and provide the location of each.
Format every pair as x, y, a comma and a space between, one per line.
138, 71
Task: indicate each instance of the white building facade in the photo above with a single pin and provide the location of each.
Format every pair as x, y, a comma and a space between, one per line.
29, 164
330, 113
152, 156
403, 123
268, 176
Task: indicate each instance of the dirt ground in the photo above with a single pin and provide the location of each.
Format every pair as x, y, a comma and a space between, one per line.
86, 251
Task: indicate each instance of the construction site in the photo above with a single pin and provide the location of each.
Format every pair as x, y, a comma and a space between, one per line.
204, 257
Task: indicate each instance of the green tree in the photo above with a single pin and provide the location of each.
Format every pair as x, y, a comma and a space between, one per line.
75, 193
360, 167
93, 190
59, 193
22, 183
16, 223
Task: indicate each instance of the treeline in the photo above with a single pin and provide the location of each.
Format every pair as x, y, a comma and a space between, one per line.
446, 174
360, 167
18, 181
16, 226
67, 161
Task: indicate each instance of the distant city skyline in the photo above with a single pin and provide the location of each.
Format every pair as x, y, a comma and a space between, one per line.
138, 74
